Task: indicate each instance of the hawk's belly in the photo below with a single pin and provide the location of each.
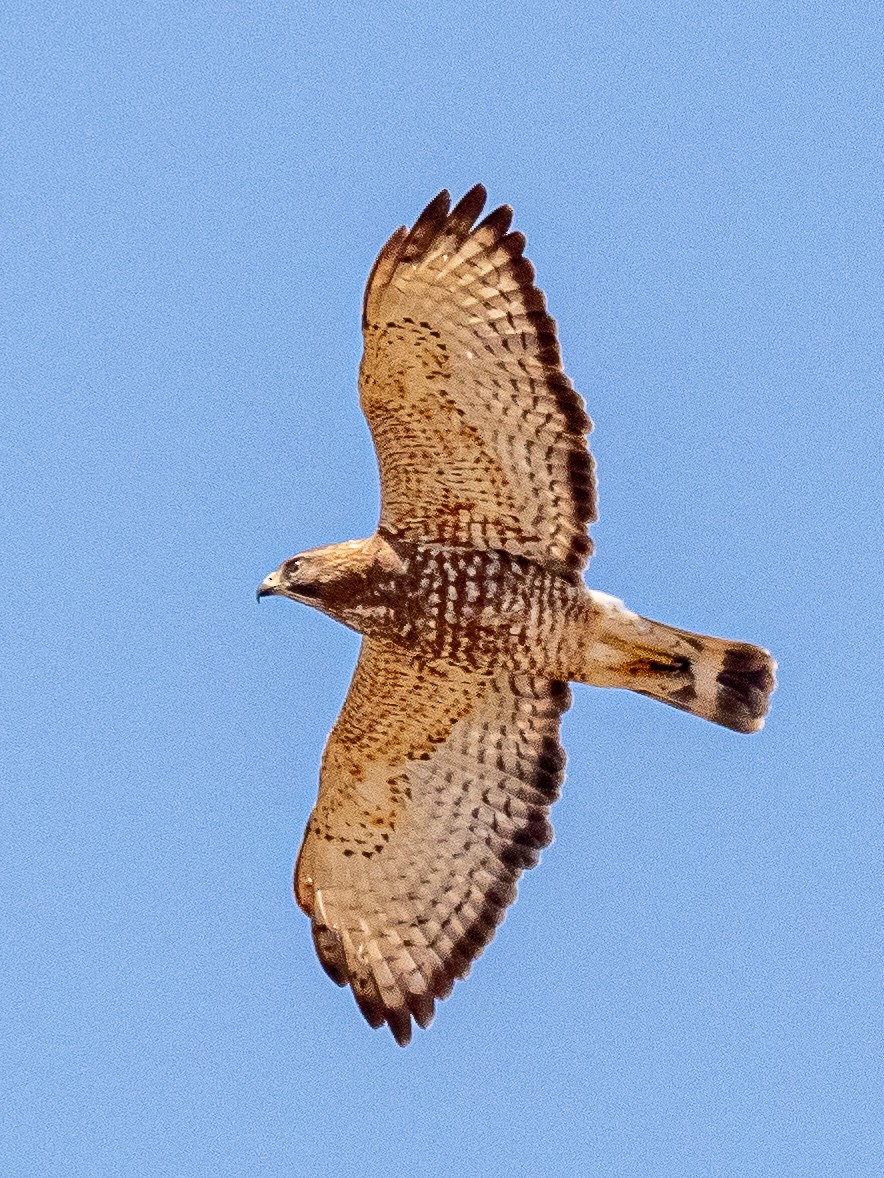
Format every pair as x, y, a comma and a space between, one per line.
482, 610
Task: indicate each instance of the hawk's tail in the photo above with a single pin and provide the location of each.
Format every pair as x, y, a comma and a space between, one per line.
729, 683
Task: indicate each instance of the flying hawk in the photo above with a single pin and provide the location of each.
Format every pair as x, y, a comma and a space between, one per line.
438, 777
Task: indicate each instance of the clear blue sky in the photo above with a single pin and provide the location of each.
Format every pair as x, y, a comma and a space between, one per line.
192, 196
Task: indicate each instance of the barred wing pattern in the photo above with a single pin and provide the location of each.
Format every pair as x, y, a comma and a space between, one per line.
434, 795
479, 433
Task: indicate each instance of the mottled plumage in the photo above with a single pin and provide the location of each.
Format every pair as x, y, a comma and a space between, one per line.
437, 779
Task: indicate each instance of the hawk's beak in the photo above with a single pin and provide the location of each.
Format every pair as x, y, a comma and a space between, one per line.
268, 586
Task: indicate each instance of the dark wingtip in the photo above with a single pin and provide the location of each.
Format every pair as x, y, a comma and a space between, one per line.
426, 226
399, 1022
330, 951
498, 221
473, 200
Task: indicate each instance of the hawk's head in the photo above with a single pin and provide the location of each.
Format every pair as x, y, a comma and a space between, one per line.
334, 578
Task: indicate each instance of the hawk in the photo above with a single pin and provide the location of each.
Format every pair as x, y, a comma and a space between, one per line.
438, 777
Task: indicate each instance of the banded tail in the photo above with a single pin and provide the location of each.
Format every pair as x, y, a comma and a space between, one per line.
729, 683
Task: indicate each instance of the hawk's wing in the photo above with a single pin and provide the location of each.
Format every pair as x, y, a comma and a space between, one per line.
434, 795
479, 432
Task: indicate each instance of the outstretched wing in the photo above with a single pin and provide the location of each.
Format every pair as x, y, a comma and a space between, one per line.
434, 795
479, 433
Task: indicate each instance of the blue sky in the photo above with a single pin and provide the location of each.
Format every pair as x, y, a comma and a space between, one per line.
192, 196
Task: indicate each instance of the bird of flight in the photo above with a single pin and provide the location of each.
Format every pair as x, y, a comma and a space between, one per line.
439, 774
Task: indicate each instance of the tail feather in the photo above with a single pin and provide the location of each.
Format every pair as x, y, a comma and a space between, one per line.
745, 683
730, 686
729, 683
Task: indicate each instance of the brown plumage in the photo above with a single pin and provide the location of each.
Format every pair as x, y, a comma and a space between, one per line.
438, 777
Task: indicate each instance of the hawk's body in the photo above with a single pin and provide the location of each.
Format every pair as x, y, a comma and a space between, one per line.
437, 779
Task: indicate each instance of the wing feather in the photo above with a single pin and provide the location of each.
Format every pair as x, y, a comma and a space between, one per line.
434, 796
479, 433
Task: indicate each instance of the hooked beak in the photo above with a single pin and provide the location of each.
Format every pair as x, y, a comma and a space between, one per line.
269, 586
